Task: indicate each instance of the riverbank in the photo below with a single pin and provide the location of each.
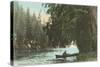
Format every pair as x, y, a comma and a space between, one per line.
90, 56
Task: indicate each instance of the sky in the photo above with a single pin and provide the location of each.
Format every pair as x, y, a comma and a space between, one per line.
36, 7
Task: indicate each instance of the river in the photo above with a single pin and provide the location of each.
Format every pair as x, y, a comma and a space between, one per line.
44, 56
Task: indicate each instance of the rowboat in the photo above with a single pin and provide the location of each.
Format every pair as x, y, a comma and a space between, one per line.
67, 55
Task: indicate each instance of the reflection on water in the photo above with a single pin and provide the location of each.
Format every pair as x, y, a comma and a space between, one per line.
46, 56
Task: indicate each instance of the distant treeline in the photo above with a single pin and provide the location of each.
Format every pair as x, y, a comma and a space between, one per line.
28, 32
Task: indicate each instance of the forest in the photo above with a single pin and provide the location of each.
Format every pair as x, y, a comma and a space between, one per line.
66, 23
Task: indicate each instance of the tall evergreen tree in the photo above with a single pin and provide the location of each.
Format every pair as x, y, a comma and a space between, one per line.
28, 27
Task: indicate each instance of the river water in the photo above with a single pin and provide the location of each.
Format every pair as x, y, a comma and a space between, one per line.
44, 56
47, 56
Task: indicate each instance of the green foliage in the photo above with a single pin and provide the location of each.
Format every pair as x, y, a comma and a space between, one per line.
67, 23
72, 23
28, 32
